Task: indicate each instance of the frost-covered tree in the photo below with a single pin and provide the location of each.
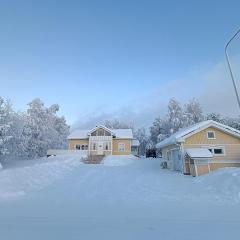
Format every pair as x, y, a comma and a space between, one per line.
160, 129
44, 129
5, 125
229, 121
192, 112
175, 115
176, 118
215, 117
143, 139
117, 124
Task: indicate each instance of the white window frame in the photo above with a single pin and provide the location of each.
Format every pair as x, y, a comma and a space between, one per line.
216, 147
121, 147
221, 154
213, 134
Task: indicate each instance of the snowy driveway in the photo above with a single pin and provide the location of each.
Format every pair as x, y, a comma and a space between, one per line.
68, 200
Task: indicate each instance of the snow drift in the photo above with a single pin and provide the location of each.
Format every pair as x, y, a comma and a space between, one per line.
17, 182
224, 183
116, 160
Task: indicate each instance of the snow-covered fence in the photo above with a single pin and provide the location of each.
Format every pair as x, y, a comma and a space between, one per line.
57, 152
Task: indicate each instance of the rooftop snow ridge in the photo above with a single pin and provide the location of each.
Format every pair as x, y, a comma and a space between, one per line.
84, 134
182, 133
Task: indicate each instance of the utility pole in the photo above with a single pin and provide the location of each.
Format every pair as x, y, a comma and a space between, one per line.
230, 67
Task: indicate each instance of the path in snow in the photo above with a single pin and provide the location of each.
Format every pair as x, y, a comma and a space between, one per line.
132, 201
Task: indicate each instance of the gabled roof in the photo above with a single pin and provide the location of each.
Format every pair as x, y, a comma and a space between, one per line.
182, 134
118, 133
103, 127
79, 134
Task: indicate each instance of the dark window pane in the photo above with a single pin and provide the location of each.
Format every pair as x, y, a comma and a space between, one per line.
218, 151
211, 135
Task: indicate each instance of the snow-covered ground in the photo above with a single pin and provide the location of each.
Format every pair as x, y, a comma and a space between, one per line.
123, 198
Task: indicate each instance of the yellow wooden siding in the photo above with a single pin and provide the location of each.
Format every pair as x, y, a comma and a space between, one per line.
214, 166
202, 169
127, 143
230, 144
73, 142
220, 138
231, 152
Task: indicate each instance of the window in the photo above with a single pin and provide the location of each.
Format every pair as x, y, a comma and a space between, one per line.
86, 147
78, 147
100, 132
107, 133
94, 133
121, 147
107, 146
82, 147
218, 151
211, 135
94, 146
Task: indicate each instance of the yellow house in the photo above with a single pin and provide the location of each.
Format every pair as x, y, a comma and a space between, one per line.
104, 141
202, 148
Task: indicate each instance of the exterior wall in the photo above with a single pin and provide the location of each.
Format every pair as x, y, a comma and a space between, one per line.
127, 143
230, 144
167, 156
214, 166
202, 169
105, 152
73, 142
220, 138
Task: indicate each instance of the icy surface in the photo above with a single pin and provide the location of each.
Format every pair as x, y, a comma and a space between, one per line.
61, 198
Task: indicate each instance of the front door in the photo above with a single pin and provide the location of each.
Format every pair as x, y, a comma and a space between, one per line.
100, 148
177, 161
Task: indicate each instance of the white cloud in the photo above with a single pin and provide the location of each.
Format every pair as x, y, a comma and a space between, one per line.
213, 88
218, 93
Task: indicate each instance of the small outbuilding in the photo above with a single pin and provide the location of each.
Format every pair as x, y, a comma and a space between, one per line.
201, 148
197, 161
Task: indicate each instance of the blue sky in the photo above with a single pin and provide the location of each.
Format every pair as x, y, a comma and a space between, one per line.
112, 57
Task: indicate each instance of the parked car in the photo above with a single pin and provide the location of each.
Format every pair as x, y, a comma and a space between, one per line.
151, 153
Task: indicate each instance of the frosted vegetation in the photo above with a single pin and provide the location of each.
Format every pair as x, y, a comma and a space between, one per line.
178, 116
30, 134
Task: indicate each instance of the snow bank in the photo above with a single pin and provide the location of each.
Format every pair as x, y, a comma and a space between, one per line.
118, 160
17, 182
224, 183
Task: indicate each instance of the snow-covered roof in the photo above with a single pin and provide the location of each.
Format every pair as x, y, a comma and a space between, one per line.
123, 133
182, 134
79, 134
118, 133
198, 153
135, 143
